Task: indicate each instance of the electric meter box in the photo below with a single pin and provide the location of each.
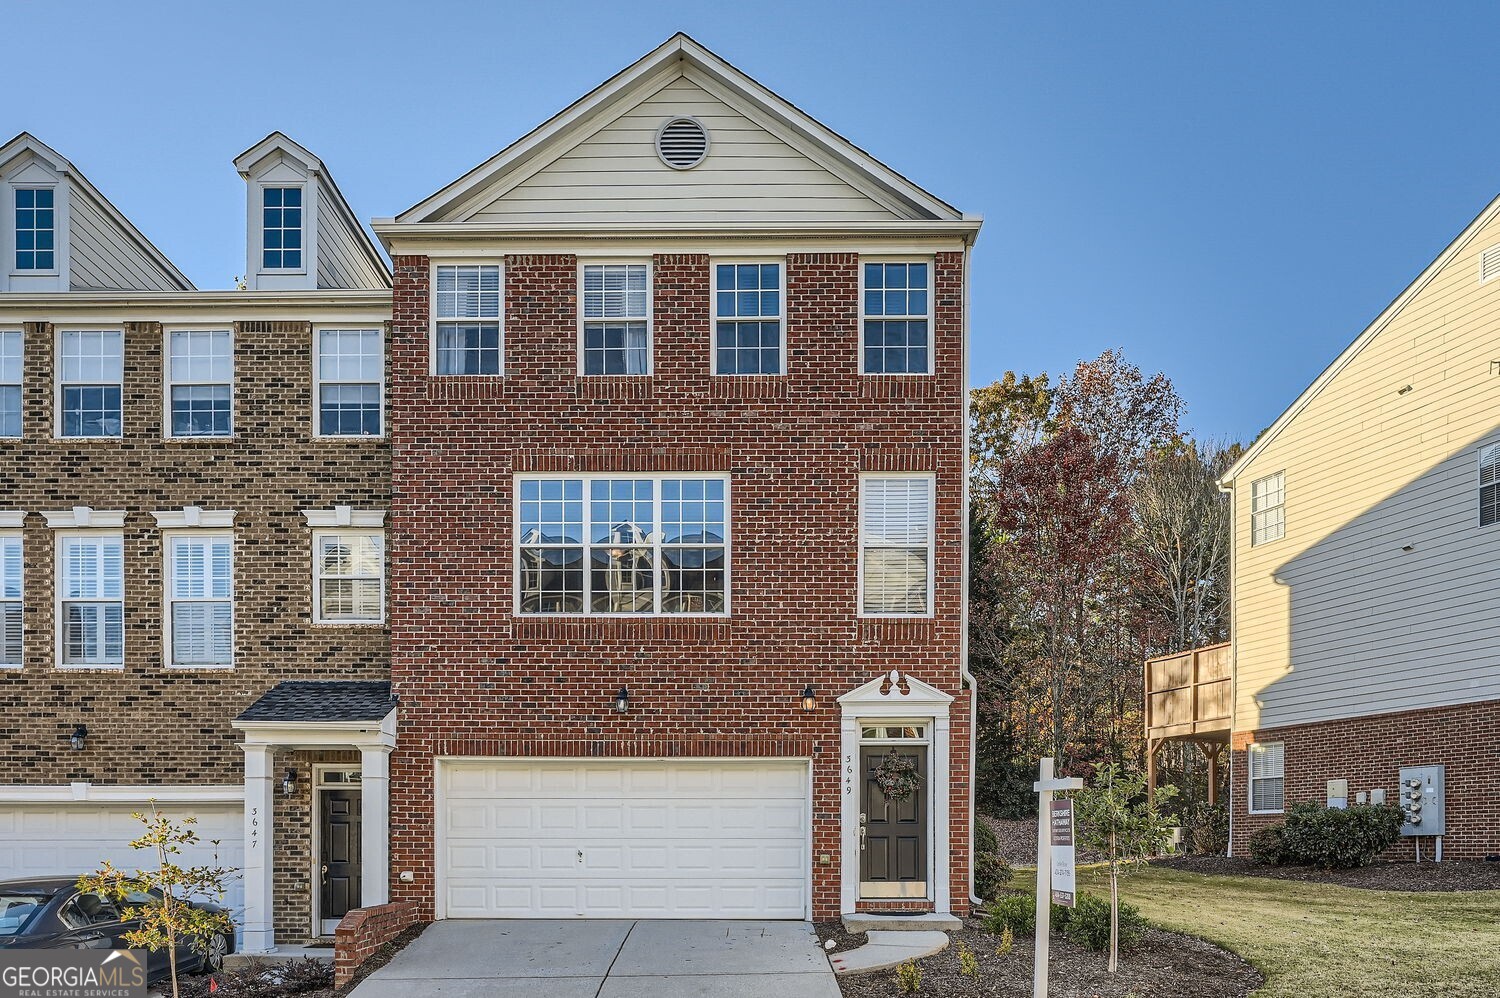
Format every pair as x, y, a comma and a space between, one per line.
1423, 798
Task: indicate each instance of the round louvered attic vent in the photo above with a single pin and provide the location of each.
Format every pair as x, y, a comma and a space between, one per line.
682, 143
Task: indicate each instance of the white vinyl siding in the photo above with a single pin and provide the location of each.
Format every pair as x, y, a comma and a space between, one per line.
12, 367
200, 383
200, 599
896, 545
615, 318
12, 592
1267, 778
350, 380
91, 374
1489, 485
468, 332
1268, 509
625, 544
348, 576
91, 600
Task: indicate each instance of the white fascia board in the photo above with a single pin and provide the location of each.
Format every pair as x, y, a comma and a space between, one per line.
193, 516
200, 307
10, 519
344, 516
84, 517
278, 141
391, 232
379, 734
94, 793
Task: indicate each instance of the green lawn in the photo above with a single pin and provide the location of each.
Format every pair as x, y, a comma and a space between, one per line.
1317, 941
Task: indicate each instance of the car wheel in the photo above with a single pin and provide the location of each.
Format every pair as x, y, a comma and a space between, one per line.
213, 954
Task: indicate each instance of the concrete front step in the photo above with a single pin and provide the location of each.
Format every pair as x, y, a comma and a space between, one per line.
887, 949
281, 954
862, 922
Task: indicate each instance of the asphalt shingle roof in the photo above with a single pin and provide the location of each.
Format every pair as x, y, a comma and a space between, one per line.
322, 701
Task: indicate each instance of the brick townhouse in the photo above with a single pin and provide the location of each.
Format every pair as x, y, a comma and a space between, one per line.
674, 390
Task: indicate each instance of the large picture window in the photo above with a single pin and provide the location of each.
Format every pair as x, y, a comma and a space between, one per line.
616, 314
747, 318
90, 377
466, 307
895, 528
91, 600
623, 545
200, 593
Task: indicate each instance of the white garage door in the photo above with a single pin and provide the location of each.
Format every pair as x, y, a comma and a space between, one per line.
73, 839
624, 839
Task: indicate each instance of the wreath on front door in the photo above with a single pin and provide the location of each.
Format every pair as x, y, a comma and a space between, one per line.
897, 778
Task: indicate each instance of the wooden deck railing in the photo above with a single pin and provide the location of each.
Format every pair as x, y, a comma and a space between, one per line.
1188, 695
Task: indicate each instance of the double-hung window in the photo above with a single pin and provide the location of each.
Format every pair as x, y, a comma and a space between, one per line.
90, 376
897, 318
747, 318
623, 544
1267, 778
1489, 485
11, 365
616, 318
200, 594
896, 545
350, 376
348, 576
466, 307
11, 599
1268, 508
91, 599
200, 382
281, 228
36, 228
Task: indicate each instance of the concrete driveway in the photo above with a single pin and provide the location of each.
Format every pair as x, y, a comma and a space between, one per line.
608, 958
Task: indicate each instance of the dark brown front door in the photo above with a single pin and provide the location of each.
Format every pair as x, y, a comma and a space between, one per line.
893, 862
340, 859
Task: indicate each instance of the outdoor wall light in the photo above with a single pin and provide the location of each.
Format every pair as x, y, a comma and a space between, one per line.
76, 739
809, 698
622, 700
289, 783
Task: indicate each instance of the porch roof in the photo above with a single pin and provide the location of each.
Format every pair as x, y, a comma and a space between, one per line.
344, 700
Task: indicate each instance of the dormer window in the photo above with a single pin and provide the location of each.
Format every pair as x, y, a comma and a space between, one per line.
281, 228
36, 229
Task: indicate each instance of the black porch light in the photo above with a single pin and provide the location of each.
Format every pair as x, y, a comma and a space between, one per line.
76, 739
809, 698
622, 700
289, 783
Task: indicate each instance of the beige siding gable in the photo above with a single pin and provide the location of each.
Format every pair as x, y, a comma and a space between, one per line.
614, 175
1384, 594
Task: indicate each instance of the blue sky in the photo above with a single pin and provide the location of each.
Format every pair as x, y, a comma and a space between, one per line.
1227, 191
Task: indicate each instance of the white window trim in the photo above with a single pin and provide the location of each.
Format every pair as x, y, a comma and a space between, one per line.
317, 576
1480, 485
650, 265
167, 599
345, 516
10, 528
859, 530
168, 384
1251, 778
57, 381
1259, 512
260, 226
59, 244
85, 518
21, 384
433, 319
931, 263
656, 545
98, 530
715, 318
317, 380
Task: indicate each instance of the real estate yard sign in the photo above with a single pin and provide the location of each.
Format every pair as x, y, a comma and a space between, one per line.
1060, 831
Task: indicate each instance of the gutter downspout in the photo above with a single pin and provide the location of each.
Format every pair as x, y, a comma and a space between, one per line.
1227, 487
963, 620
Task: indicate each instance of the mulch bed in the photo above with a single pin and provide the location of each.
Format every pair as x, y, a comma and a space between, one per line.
1455, 875
1165, 965
197, 987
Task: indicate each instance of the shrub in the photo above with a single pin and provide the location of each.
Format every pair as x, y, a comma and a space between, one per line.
263, 979
1207, 828
968, 963
1088, 924
1007, 941
984, 837
1329, 838
909, 977
991, 875
1013, 912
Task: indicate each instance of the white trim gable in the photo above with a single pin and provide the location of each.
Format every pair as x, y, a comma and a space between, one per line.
886, 697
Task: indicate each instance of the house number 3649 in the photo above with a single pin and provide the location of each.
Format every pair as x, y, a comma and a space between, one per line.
848, 774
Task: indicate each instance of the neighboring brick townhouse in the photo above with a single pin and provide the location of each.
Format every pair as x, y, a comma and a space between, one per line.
675, 523
192, 489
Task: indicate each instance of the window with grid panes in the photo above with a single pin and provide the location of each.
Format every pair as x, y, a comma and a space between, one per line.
11, 366
616, 313
1268, 508
351, 373
11, 599
1267, 778
466, 307
895, 318
747, 318
349, 576
36, 228
90, 377
281, 228
91, 599
200, 376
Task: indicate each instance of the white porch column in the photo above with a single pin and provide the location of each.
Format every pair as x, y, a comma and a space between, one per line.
260, 798
942, 832
375, 820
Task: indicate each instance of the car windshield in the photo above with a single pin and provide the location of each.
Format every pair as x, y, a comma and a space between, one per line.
18, 908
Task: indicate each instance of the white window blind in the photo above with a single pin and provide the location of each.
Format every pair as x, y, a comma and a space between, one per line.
896, 545
1268, 508
201, 587
11, 587
349, 577
616, 318
1489, 485
92, 596
1267, 777
466, 305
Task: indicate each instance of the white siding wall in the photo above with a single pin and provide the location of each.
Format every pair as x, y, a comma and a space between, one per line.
1336, 620
615, 176
342, 262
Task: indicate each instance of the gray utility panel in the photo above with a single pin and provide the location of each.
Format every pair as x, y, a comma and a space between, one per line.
1423, 798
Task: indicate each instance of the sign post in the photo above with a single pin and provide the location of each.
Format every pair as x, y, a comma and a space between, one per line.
1046, 882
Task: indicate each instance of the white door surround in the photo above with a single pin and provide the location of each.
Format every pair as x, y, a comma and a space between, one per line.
894, 697
321, 781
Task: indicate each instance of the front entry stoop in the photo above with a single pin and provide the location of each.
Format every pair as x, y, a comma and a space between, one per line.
885, 950
930, 922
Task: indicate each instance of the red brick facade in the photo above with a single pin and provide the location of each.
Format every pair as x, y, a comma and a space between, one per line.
364, 930
474, 679
1370, 751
